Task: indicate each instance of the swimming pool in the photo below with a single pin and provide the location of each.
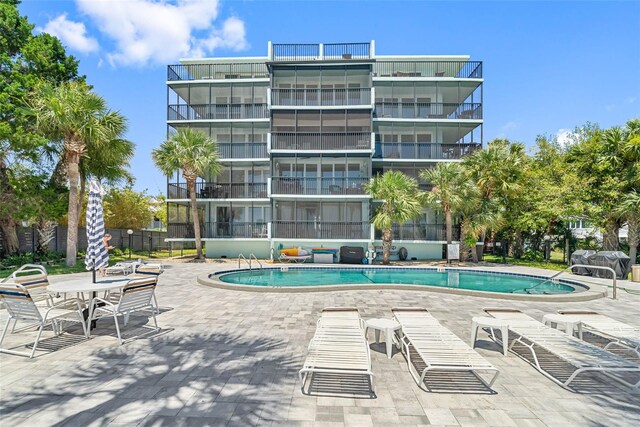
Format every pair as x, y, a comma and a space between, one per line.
356, 277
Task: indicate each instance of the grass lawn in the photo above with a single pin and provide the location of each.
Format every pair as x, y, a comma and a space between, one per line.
555, 263
79, 267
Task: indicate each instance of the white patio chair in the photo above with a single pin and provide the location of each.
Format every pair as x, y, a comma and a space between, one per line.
21, 306
339, 346
136, 295
439, 348
583, 356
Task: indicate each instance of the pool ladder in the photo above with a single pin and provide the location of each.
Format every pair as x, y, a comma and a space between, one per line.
553, 279
248, 261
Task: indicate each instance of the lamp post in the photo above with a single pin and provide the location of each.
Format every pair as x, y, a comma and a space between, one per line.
130, 233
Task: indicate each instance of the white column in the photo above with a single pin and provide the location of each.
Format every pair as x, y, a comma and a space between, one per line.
372, 49
270, 51
321, 51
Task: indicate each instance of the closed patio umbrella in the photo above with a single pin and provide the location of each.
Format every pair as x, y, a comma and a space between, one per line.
97, 255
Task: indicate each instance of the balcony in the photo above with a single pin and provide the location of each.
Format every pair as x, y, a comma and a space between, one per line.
320, 52
212, 190
422, 232
242, 150
423, 151
320, 230
219, 230
217, 111
318, 186
320, 97
321, 141
432, 110
188, 72
413, 69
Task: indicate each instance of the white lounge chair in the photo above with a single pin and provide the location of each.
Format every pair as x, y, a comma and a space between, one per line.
438, 347
339, 346
137, 295
295, 258
21, 306
617, 332
583, 356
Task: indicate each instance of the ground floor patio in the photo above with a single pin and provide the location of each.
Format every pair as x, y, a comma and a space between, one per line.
225, 357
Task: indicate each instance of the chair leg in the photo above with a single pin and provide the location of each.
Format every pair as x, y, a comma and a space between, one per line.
155, 304
35, 343
84, 325
90, 319
115, 319
474, 332
4, 331
155, 321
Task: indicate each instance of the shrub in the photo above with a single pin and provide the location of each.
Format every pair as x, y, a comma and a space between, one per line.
532, 255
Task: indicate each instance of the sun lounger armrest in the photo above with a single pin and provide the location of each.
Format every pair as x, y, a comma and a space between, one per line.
577, 312
328, 309
409, 309
489, 310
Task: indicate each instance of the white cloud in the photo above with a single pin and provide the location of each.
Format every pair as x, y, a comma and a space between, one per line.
72, 34
631, 99
565, 137
161, 31
506, 128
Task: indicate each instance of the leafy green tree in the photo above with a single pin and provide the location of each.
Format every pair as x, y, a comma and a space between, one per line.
26, 60
196, 155
477, 215
127, 208
77, 117
609, 160
629, 211
446, 195
400, 203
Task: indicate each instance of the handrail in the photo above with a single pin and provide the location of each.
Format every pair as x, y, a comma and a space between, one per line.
241, 256
571, 267
252, 255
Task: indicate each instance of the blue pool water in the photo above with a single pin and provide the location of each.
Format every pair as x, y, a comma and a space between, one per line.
460, 279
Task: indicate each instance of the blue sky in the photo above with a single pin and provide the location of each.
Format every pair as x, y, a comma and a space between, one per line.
548, 66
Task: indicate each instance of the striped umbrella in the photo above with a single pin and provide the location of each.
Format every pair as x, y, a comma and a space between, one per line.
97, 255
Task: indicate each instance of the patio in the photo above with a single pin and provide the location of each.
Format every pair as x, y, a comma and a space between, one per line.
231, 358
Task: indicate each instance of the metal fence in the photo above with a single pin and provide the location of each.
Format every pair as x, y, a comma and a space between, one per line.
313, 97
217, 71
321, 141
140, 240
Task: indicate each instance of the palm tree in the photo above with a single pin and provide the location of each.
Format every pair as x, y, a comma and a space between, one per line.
197, 156
80, 119
400, 203
446, 195
629, 210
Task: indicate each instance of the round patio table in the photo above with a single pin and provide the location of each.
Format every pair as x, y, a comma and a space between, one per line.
80, 286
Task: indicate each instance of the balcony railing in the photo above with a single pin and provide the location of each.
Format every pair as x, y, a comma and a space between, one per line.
318, 186
213, 230
216, 71
432, 110
315, 52
320, 230
212, 190
425, 232
457, 69
321, 97
423, 150
243, 150
217, 111
317, 141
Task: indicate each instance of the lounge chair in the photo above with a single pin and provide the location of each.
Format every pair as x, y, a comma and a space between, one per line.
295, 258
583, 356
438, 347
339, 346
617, 332
21, 306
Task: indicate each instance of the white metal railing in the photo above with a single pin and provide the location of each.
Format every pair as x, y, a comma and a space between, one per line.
252, 256
248, 261
571, 267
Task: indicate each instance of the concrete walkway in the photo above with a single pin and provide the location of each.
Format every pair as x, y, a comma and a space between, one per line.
231, 358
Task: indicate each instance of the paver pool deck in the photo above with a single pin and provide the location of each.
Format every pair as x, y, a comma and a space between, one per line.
224, 357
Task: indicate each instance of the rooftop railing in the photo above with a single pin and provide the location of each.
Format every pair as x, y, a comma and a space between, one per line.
320, 141
431, 110
181, 72
413, 69
320, 51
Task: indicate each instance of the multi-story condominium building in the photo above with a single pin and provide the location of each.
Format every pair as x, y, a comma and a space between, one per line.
303, 128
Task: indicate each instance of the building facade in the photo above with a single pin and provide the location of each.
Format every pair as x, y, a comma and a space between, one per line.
302, 129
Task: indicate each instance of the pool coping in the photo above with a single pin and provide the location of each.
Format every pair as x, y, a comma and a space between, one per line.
589, 293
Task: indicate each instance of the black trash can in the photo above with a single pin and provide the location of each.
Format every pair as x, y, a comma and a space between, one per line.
581, 257
616, 260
